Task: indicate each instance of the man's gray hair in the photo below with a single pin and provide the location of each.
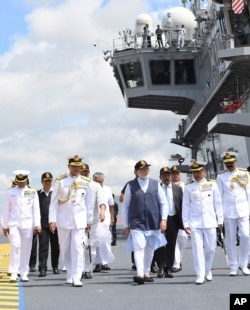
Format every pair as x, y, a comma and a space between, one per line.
98, 174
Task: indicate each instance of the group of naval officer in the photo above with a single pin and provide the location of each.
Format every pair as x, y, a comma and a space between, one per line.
206, 206
70, 214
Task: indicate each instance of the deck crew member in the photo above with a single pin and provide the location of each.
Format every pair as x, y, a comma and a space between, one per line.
145, 211
202, 212
71, 212
234, 186
21, 215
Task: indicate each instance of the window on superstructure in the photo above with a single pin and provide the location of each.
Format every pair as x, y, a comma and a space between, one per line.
240, 24
160, 72
184, 71
132, 74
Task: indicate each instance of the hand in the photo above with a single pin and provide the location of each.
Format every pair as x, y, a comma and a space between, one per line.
88, 227
102, 216
6, 231
38, 229
163, 226
187, 230
52, 227
127, 231
220, 225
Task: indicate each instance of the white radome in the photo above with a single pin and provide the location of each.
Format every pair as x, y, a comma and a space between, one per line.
180, 16
141, 21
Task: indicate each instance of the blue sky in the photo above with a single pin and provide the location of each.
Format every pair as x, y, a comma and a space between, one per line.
58, 95
12, 22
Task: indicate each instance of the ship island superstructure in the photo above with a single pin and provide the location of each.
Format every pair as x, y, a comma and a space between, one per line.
207, 80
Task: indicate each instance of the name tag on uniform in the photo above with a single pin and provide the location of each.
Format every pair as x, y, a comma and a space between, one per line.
82, 184
29, 193
206, 187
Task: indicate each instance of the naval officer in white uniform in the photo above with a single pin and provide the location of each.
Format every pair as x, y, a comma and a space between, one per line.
21, 215
202, 213
71, 212
234, 186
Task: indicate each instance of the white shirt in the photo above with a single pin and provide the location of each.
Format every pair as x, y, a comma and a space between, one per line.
169, 195
75, 209
21, 208
202, 205
235, 198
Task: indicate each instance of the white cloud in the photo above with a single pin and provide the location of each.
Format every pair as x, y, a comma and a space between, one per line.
59, 97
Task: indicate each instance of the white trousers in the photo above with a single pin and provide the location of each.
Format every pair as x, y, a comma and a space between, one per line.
143, 252
20, 248
203, 242
230, 239
71, 248
181, 243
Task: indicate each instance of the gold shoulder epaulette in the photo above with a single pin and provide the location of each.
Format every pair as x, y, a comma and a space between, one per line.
85, 178
222, 171
32, 187
242, 169
63, 176
189, 182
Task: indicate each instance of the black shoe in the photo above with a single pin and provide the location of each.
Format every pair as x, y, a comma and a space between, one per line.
32, 269
148, 279
113, 243
87, 275
105, 267
56, 271
42, 273
168, 273
160, 272
133, 267
138, 280
97, 268
175, 269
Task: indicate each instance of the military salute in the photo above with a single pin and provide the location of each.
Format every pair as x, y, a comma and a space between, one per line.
71, 212
21, 215
234, 186
201, 213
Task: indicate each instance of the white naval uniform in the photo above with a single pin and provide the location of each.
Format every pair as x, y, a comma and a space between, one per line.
71, 217
236, 204
104, 253
21, 213
182, 238
99, 232
202, 212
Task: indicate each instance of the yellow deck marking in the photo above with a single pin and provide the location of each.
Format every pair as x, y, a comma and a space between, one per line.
9, 292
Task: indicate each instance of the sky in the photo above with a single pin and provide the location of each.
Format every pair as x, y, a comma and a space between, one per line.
58, 96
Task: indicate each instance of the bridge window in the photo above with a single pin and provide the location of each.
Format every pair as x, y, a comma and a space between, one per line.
160, 71
241, 27
184, 71
132, 74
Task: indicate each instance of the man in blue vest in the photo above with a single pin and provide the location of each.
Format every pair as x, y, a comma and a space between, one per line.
145, 212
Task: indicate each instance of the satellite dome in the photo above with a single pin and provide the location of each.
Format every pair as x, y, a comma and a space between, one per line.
179, 16
141, 21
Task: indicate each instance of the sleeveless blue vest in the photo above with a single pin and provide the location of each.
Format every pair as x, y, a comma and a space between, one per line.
144, 209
